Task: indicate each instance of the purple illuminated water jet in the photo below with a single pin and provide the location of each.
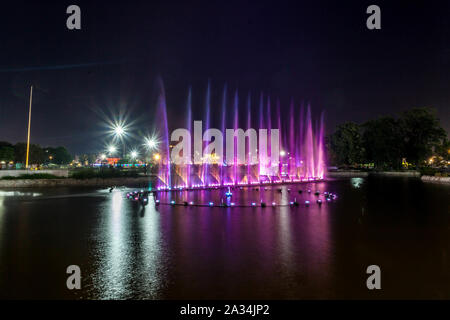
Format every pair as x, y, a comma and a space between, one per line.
301, 145
189, 127
164, 173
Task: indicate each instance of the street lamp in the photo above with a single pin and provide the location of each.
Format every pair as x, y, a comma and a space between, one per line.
111, 149
119, 131
150, 143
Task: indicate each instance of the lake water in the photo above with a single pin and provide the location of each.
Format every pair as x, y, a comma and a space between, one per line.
178, 252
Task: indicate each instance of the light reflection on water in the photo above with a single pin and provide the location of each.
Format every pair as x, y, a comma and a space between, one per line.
129, 251
19, 194
356, 182
179, 252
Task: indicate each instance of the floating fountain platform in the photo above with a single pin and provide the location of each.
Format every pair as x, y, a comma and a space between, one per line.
225, 185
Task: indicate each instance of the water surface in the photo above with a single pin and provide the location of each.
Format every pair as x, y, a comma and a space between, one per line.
177, 252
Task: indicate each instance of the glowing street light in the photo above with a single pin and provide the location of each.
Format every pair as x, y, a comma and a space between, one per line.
119, 130
134, 154
103, 156
112, 149
150, 143
282, 153
156, 156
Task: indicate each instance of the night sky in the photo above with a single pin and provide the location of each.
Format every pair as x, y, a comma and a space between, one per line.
311, 51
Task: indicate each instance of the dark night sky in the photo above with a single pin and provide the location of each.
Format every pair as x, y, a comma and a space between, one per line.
315, 51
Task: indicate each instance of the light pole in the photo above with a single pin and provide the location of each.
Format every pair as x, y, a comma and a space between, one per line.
29, 128
134, 154
119, 132
150, 143
111, 149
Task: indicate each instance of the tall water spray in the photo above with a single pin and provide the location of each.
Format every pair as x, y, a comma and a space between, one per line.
164, 173
301, 146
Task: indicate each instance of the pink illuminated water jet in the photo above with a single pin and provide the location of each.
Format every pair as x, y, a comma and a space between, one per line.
301, 145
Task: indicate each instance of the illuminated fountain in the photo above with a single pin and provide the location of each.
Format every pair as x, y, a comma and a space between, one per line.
294, 152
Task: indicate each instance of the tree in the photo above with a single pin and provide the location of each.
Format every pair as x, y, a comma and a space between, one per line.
89, 158
36, 155
383, 141
5, 144
6, 151
423, 133
443, 150
58, 155
346, 144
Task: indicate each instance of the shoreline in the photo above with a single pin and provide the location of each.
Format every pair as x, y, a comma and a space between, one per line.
354, 173
434, 179
143, 181
70, 182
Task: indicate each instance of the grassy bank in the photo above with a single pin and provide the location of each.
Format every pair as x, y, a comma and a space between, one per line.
80, 174
103, 173
436, 172
32, 177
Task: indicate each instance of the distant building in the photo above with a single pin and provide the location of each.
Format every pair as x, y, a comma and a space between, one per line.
112, 161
